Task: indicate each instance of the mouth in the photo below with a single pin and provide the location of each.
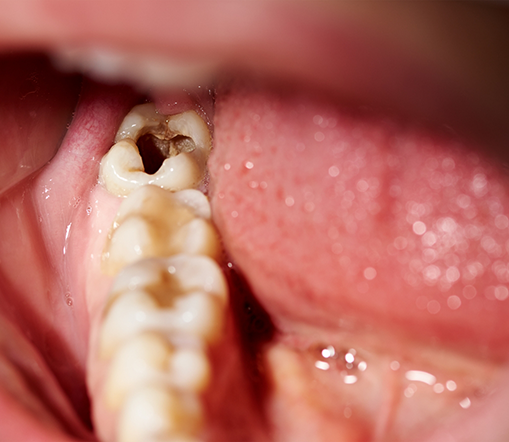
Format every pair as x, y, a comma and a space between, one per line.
361, 232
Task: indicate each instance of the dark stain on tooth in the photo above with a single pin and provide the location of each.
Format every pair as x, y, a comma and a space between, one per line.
154, 150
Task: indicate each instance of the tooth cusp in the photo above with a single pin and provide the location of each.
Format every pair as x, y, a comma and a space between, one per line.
148, 215
183, 139
158, 414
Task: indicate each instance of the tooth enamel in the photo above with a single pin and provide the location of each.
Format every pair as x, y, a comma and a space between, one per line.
139, 361
196, 315
148, 359
152, 222
158, 414
182, 273
122, 170
127, 316
182, 297
190, 370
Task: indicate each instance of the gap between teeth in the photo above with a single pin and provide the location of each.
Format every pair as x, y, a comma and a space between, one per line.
167, 302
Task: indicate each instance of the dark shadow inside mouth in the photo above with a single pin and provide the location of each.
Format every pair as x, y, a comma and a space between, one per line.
154, 150
256, 330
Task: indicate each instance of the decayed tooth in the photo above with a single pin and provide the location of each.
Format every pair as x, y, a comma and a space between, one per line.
186, 146
157, 414
152, 222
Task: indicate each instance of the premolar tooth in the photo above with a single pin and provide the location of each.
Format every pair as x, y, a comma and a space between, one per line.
122, 169
158, 414
152, 222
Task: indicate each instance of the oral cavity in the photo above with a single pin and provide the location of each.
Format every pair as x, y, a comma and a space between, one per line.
149, 357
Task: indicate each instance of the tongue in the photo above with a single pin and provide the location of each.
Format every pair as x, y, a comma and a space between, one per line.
340, 219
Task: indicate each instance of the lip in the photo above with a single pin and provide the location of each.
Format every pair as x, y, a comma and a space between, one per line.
367, 54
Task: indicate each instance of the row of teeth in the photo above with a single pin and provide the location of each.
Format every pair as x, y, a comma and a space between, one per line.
168, 299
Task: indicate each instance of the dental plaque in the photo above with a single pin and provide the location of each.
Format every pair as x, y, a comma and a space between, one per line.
167, 302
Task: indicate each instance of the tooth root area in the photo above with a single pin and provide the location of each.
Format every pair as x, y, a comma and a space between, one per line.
154, 223
184, 140
158, 414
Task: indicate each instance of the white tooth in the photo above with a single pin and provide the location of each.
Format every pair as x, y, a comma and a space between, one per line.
153, 222
156, 414
196, 200
127, 316
190, 369
122, 168
146, 70
140, 360
179, 273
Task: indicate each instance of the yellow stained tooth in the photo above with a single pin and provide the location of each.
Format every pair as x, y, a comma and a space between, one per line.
122, 170
154, 223
154, 414
126, 317
140, 361
165, 278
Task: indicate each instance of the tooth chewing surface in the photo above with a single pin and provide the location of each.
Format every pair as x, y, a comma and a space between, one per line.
188, 140
167, 302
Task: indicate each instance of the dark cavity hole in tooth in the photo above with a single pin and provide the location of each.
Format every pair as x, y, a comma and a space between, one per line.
255, 329
154, 150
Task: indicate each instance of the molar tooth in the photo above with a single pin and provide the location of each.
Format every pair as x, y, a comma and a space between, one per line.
126, 317
179, 273
139, 361
158, 414
182, 297
122, 170
152, 222
190, 369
